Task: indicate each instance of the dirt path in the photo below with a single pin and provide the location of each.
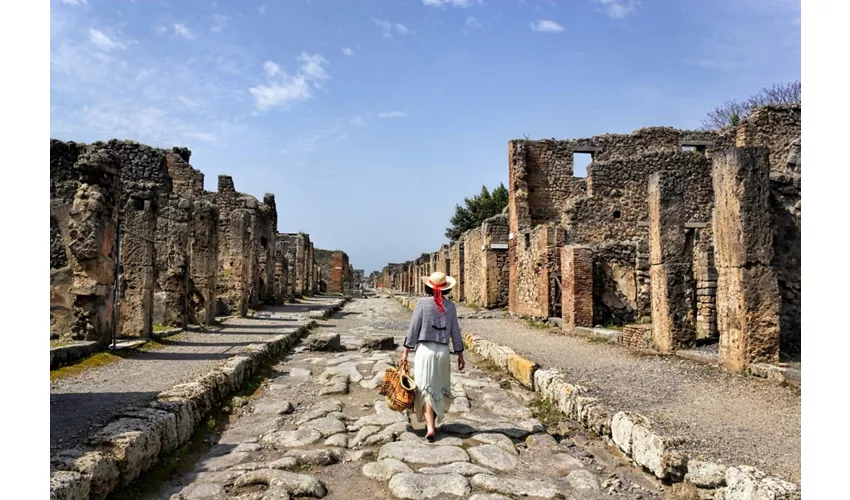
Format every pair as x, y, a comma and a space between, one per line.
729, 418
86, 402
317, 428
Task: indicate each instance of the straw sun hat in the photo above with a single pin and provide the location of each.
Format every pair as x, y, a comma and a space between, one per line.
439, 279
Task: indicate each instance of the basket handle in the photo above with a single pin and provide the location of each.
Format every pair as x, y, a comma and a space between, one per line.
402, 367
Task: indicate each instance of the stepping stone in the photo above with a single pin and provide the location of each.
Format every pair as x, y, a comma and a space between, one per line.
277, 480
515, 487
324, 342
292, 439
462, 468
499, 440
583, 480
420, 453
326, 426
383, 470
493, 456
422, 486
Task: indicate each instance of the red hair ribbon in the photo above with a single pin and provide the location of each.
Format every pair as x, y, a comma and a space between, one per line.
438, 296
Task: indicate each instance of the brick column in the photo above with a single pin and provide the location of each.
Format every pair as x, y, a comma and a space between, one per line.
670, 265
576, 286
748, 301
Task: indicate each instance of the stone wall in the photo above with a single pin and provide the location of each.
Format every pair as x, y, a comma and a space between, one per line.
296, 247
456, 267
334, 270
85, 197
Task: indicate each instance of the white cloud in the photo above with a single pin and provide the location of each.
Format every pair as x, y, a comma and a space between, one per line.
271, 68
388, 28
618, 9
546, 26
102, 41
284, 89
347, 51
453, 3
181, 30
471, 24
262, 10
393, 114
358, 121
75, 2
219, 22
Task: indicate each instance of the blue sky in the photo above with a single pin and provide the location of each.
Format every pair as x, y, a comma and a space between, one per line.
369, 120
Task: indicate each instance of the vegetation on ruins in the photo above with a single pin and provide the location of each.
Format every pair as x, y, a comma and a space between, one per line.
732, 112
477, 209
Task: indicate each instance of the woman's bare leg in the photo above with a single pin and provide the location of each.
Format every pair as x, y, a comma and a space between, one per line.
429, 420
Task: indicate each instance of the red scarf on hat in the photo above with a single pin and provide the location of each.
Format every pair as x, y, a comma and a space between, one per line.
438, 296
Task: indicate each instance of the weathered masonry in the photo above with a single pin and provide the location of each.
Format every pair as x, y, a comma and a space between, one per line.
135, 241
678, 236
334, 270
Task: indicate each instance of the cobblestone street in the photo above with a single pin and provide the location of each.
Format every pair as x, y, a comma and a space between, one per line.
318, 428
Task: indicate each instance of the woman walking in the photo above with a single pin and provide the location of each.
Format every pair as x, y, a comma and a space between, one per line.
434, 322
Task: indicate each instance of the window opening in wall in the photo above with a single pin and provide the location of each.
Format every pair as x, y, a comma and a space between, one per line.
580, 163
689, 148
616, 214
527, 240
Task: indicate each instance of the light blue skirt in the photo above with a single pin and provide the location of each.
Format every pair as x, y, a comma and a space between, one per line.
432, 371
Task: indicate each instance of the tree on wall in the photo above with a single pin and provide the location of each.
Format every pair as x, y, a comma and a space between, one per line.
732, 112
477, 209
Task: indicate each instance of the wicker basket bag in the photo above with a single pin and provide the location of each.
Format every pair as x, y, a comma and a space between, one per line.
399, 388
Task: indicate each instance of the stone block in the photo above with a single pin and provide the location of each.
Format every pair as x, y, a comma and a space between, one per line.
69, 485
324, 342
522, 370
748, 316
667, 214
748, 483
577, 287
134, 442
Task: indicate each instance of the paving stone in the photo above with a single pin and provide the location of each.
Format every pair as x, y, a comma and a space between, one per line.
420, 453
493, 456
292, 483
515, 487
292, 439
462, 468
326, 426
337, 385
315, 457
362, 434
500, 440
383, 470
460, 405
422, 486
541, 441
337, 441
488, 496
583, 480
379, 342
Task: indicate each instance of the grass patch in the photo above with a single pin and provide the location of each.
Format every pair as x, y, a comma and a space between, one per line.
59, 343
599, 339
533, 323
619, 328
158, 327
93, 361
546, 412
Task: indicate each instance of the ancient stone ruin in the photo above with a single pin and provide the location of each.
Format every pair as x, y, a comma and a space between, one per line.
675, 236
136, 241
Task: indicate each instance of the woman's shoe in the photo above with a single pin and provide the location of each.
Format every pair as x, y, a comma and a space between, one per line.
430, 438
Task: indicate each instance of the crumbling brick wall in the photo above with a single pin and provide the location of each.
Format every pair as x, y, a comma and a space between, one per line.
295, 250
334, 269
495, 271
264, 245
85, 197
616, 297
535, 266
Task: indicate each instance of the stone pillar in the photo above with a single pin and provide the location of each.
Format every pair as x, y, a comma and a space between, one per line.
748, 301
170, 306
576, 287
203, 262
670, 260
137, 259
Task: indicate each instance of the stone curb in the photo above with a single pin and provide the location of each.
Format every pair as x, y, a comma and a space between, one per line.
631, 432
64, 353
134, 441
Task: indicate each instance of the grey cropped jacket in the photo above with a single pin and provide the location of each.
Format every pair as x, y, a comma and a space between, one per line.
430, 325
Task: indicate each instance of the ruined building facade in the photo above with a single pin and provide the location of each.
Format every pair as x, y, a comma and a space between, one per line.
681, 235
136, 241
